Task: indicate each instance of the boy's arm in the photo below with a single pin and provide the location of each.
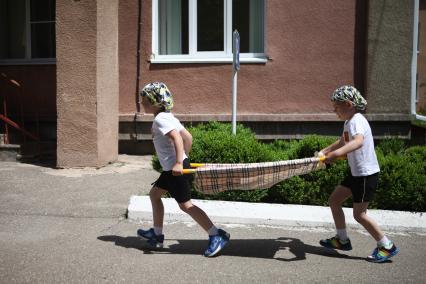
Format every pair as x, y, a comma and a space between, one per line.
187, 140
352, 145
336, 145
178, 143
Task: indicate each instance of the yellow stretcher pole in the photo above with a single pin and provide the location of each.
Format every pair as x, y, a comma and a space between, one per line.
189, 171
196, 165
193, 165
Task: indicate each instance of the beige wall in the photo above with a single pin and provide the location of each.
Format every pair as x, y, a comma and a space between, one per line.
389, 57
87, 82
421, 60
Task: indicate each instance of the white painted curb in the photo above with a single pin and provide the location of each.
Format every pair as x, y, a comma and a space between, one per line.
274, 214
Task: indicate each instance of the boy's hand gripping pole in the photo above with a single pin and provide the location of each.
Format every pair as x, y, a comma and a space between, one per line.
193, 165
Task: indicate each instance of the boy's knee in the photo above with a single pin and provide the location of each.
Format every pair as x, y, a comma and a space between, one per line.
359, 217
154, 194
185, 206
333, 202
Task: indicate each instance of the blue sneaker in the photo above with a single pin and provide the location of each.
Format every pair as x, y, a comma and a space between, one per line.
381, 254
153, 240
336, 243
216, 243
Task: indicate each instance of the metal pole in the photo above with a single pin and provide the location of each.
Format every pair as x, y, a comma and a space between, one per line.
234, 102
235, 68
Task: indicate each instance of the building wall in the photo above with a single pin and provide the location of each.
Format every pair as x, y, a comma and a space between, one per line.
421, 60
127, 52
87, 76
310, 45
390, 44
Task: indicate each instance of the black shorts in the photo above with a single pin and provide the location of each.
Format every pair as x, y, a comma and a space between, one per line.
178, 186
363, 188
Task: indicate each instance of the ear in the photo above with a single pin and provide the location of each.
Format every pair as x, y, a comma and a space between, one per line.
348, 104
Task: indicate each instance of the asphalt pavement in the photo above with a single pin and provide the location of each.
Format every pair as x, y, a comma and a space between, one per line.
71, 226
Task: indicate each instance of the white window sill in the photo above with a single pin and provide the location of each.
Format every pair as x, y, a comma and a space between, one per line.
166, 59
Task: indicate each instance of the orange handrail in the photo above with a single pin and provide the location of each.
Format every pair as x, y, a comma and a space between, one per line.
4, 117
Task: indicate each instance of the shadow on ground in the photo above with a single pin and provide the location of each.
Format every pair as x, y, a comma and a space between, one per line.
256, 248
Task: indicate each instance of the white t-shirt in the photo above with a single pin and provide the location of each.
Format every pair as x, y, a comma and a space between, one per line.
363, 161
163, 123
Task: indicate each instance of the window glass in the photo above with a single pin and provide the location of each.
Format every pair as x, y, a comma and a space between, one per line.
42, 10
42, 21
43, 40
12, 29
247, 18
210, 25
211, 34
27, 38
173, 26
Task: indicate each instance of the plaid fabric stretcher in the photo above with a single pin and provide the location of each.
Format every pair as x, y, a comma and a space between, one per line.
215, 178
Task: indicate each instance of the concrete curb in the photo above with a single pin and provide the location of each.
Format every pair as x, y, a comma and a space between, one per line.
140, 209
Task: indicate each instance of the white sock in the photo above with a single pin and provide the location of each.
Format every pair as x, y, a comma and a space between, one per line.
158, 230
385, 242
342, 234
213, 231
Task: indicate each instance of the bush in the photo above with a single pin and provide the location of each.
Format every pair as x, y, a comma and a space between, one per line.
214, 143
392, 146
402, 184
310, 144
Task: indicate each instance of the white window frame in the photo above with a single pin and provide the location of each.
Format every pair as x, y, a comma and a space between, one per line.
195, 56
28, 60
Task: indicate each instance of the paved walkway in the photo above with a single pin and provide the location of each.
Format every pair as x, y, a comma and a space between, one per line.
70, 226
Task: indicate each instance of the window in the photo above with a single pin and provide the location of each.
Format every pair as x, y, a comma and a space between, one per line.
27, 31
201, 31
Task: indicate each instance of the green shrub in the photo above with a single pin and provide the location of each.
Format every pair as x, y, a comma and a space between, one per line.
310, 144
402, 183
417, 154
391, 146
156, 163
214, 143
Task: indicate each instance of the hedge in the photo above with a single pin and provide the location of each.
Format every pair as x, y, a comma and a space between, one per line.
402, 183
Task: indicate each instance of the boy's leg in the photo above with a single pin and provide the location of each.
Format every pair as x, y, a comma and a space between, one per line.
155, 236
218, 239
341, 241
197, 214
385, 248
360, 215
339, 195
157, 206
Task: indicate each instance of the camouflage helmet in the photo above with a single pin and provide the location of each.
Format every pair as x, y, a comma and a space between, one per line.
349, 94
158, 95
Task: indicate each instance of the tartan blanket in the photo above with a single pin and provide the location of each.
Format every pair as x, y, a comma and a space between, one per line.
215, 178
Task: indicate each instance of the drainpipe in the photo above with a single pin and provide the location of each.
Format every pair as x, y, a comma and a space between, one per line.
414, 63
138, 72
138, 57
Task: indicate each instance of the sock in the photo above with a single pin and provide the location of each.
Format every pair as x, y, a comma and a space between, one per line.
385, 242
342, 235
158, 230
213, 231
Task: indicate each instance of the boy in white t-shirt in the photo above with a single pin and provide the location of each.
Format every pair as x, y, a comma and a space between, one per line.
172, 144
357, 143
